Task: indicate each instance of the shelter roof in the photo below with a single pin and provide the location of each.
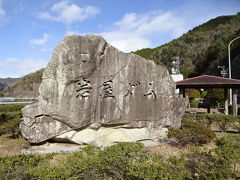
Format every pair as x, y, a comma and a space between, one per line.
207, 81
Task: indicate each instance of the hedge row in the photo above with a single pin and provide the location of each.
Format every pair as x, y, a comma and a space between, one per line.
11, 107
10, 118
191, 133
221, 121
126, 161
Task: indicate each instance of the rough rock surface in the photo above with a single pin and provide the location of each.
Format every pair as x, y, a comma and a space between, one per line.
90, 85
108, 135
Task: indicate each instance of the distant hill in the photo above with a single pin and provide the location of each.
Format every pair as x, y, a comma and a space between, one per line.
25, 87
2, 86
8, 80
202, 49
4, 82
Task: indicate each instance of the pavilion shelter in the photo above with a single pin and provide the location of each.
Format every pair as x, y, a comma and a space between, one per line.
212, 82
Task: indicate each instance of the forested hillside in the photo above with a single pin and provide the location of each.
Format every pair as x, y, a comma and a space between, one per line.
202, 49
26, 86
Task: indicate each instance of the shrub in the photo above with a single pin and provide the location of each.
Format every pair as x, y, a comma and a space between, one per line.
222, 122
126, 161
155, 168
221, 162
16, 167
203, 119
9, 123
236, 124
229, 149
11, 107
213, 167
10, 127
117, 157
120, 161
193, 104
192, 133
3, 117
10, 118
193, 93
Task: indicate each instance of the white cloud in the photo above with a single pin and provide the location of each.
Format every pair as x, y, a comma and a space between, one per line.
130, 43
65, 12
137, 31
14, 67
72, 32
11, 60
40, 41
2, 13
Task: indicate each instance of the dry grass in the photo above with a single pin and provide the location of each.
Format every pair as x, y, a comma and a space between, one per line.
11, 146
168, 150
57, 158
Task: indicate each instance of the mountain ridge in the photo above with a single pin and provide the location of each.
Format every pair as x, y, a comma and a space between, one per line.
4, 82
201, 49
26, 86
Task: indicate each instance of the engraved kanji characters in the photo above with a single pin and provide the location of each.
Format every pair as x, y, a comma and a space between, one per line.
150, 90
131, 88
108, 89
84, 88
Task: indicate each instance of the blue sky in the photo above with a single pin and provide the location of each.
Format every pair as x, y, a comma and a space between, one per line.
30, 29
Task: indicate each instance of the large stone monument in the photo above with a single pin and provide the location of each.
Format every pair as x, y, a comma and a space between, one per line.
92, 93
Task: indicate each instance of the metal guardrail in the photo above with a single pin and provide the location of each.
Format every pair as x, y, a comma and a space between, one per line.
27, 102
15, 100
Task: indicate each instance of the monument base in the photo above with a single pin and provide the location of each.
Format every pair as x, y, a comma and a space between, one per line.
109, 135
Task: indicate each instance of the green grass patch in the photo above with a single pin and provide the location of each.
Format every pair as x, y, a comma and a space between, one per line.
10, 115
11, 107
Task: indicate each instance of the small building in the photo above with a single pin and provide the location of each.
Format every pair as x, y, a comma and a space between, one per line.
210, 82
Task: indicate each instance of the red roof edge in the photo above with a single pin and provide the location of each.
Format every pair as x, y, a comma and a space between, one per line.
197, 77
191, 78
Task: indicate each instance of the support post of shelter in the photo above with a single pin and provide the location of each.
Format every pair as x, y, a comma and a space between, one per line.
182, 92
234, 104
226, 101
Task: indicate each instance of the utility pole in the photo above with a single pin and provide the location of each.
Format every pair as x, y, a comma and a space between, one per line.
229, 65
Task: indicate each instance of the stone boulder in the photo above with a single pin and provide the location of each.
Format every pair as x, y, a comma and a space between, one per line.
92, 93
